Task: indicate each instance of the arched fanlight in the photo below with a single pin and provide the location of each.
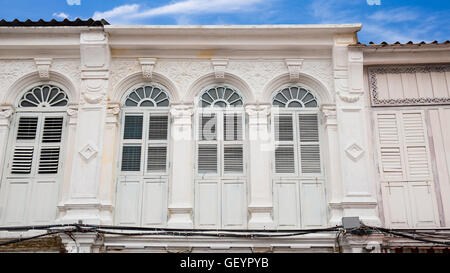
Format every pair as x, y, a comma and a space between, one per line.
295, 97
44, 96
221, 97
147, 96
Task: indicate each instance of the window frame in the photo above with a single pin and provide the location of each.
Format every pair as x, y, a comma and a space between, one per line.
295, 112
220, 141
144, 142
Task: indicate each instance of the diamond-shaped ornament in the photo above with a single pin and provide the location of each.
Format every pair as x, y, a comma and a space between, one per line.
88, 151
354, 151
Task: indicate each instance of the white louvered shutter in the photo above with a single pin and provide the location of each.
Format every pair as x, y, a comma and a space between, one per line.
233, 152
285, 146
39, 140
157, 143
415, 146
132, 143
309, 143
390, 148
51, 145
207, 153
26, 138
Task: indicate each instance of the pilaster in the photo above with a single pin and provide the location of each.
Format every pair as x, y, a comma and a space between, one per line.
83, 198
260, 197
6, 113
181, 195
358, 197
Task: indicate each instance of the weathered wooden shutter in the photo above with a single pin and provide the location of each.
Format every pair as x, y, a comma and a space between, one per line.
390, 150
285, 147
26, 138
309, 143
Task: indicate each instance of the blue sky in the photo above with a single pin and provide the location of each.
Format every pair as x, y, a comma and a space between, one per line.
383, 20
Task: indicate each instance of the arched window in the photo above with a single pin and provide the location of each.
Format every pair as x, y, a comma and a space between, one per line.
220, 148
145, 130
296, 130
34, 161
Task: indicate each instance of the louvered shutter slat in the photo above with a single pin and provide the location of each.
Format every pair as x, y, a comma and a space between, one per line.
158, 127
157, 157
53, 127
133, 127
285, 159
27, 128
233, 160
390, 149
208, 127
131, 158
283, 128
310, 158
22, 160
207, 158
309, 139
49, 160
416, 145
232, 125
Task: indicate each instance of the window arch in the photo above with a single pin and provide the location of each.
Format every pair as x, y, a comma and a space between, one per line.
44, 96
150, 95
221, 96
294, 97
296, 130
221, 119
145, 130
36, 154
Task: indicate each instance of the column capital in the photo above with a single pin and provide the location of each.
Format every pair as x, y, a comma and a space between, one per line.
329, 113
258, 110
182, 110
5, 115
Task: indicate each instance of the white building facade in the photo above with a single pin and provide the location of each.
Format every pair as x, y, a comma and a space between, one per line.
288, 127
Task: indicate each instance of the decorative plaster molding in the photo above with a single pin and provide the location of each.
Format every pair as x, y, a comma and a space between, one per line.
219, 66
182, 111
113, 109
72, 111
258, 110
294, 67
354, 151
348, 98
397, 69
43, 67
147, 66
88, 151
6, 112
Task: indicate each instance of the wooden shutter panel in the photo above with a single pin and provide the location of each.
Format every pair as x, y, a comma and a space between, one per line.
233, 159
390, 151
208, 127
131, 158
309, 143
232, 127
133, 127
27, 128
285, 148
284, 130
415, 145
22, 160
53, 127
285, 159
49, 160
207, 158
157, 159
158, 126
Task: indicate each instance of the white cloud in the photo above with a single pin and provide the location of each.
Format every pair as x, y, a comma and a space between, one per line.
185, 7
397, 15
60, 15
73, 2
